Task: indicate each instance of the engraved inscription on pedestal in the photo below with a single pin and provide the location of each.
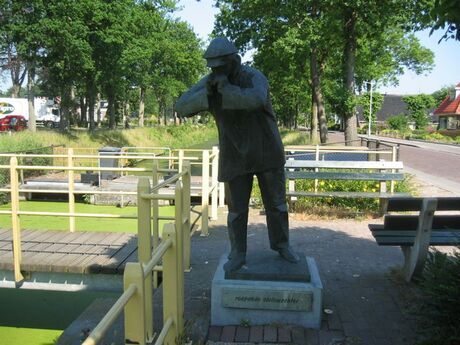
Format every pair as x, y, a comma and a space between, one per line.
244, 298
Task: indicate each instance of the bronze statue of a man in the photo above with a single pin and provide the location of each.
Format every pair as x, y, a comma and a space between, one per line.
249, 143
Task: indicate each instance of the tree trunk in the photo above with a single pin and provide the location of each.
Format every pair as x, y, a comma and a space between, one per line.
83, 111
351, 131
90, 100
98, 109
17, 76
318, 94
15, 90
66, 104
314, 120
30, 98
111, 108
141, 106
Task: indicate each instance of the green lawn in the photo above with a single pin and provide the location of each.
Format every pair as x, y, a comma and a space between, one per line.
29, 309
82, 224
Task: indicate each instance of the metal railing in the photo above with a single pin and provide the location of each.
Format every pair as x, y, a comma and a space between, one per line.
139, 280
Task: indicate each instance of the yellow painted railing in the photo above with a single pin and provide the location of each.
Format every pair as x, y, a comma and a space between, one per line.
139, 280
72, 167
210, 187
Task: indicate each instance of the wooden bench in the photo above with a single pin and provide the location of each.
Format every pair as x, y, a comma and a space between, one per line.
416, 232
379, 171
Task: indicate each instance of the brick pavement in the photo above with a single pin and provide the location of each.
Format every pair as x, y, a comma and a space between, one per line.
362, 301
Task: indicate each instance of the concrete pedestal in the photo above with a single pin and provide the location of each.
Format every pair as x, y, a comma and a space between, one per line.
265, 301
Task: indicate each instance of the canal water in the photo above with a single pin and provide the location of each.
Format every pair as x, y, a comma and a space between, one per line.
36, 317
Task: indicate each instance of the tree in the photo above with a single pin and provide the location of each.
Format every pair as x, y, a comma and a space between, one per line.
447, 13
418, 107
441, 94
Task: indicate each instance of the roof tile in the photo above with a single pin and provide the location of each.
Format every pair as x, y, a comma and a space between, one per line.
449, 107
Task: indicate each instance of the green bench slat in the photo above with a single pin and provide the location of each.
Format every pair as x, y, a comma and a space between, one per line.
344, 194
415, 204
334, 175
409, 222
407, 236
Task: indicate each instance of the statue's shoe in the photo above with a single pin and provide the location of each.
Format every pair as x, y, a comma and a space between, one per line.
236, 261
289, 255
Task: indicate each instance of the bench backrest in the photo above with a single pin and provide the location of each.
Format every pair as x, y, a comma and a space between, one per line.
441, 222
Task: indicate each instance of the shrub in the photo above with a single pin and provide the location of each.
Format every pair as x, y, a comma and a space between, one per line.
399, 122
440, 308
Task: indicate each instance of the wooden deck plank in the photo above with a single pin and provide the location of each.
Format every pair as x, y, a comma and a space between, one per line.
110, 265
6, 259
6, 234
77, 252
94, 254
6, 244
30, 235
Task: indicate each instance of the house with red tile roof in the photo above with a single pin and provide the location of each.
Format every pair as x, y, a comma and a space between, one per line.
448, 112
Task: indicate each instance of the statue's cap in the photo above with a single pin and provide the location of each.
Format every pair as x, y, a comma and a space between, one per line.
218, 48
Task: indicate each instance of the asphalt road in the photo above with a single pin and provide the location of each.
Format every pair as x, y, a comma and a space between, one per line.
438, 164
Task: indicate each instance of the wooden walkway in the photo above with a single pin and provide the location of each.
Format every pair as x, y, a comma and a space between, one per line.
70, 252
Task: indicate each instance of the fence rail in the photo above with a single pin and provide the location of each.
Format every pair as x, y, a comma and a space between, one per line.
178, 163
140, 277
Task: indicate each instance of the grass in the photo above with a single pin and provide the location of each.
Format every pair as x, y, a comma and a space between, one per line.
82, 224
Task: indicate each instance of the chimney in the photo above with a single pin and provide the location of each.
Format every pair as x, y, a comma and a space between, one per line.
457, 91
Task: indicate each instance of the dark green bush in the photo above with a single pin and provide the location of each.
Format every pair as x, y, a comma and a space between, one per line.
399, 122
440, 305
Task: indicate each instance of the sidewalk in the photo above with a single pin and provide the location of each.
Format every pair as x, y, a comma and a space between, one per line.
362, 303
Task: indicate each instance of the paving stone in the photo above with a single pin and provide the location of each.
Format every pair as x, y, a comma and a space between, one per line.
256, 334
270, 334
331, 337
228, 334
214, 333
284, 335
298, 335
242, 334
311, 337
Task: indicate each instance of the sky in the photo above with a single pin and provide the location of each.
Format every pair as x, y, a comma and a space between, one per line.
446, 72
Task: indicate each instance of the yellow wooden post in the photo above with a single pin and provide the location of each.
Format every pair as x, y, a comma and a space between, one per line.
393, 158
316, 169
155, 221
144, 245
205, 194
173, 284
214, 183
71, 179
181, 159
15, 223
186, 213
221, 194
135, 314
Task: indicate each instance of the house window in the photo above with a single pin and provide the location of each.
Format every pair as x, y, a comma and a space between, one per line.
442, 122
453, 122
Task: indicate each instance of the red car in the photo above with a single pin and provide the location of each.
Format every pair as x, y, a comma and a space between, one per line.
13, 123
